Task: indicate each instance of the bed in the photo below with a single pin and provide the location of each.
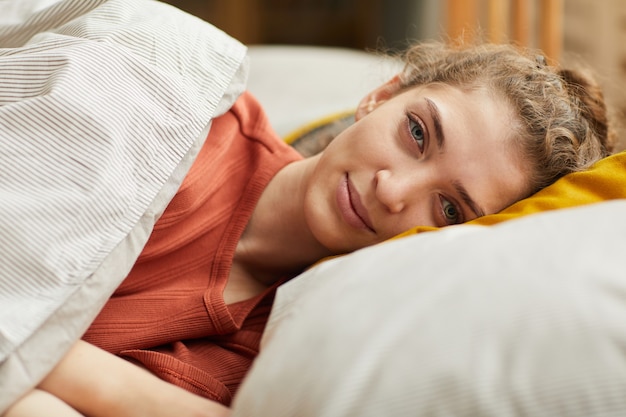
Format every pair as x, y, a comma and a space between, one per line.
516, 314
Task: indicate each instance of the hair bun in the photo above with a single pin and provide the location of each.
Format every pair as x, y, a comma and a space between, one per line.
586, 92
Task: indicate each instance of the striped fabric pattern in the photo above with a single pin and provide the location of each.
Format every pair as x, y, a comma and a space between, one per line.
102, 106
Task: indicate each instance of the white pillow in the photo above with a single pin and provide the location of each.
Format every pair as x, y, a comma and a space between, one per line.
103, 107
526, 318
298, 85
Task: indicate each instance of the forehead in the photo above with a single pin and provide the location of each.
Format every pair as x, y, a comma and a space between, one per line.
479, 127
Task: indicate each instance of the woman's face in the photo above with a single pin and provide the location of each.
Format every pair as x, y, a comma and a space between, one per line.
433, 155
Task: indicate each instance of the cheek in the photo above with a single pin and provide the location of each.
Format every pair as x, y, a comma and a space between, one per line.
369, 136
419, 214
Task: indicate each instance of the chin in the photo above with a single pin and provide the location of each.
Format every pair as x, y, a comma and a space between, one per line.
331, 233
338, 245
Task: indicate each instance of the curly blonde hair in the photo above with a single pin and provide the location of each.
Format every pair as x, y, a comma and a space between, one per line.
563, 124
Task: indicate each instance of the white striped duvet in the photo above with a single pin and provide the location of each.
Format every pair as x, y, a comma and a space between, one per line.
103, 105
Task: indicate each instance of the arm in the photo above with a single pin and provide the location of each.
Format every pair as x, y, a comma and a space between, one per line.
99, 384
40, 403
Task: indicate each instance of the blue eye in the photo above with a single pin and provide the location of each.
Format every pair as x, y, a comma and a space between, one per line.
450, 212
417, 132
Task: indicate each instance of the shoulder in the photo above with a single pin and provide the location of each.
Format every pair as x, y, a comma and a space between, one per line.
250, 119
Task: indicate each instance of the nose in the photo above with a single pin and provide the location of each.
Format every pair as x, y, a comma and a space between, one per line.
393, 191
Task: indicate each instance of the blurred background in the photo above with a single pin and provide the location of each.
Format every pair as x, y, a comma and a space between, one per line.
593, 31
358, 24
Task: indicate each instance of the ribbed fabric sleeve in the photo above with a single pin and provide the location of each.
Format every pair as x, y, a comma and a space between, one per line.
169, 313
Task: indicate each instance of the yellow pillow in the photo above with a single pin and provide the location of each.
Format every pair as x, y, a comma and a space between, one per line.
605, 180
313, 137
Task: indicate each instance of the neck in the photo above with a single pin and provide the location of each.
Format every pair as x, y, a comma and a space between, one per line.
277, 240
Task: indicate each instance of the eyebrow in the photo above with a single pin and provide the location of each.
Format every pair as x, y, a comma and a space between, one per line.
441, 141
436, 117
479, 212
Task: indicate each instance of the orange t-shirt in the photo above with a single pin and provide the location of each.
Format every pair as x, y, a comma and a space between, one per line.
169, 314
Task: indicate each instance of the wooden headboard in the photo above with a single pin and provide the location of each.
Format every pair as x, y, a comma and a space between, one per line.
534, 23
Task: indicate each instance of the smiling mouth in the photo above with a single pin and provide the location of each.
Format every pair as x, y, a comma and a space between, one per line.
351, 207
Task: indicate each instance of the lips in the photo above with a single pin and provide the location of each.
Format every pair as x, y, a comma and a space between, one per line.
351, 207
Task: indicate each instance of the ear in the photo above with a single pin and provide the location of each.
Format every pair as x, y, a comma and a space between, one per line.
377, 97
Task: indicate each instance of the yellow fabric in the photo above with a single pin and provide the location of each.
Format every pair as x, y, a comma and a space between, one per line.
605, 180
316, 124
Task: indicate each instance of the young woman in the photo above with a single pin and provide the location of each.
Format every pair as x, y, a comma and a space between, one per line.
461, 132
